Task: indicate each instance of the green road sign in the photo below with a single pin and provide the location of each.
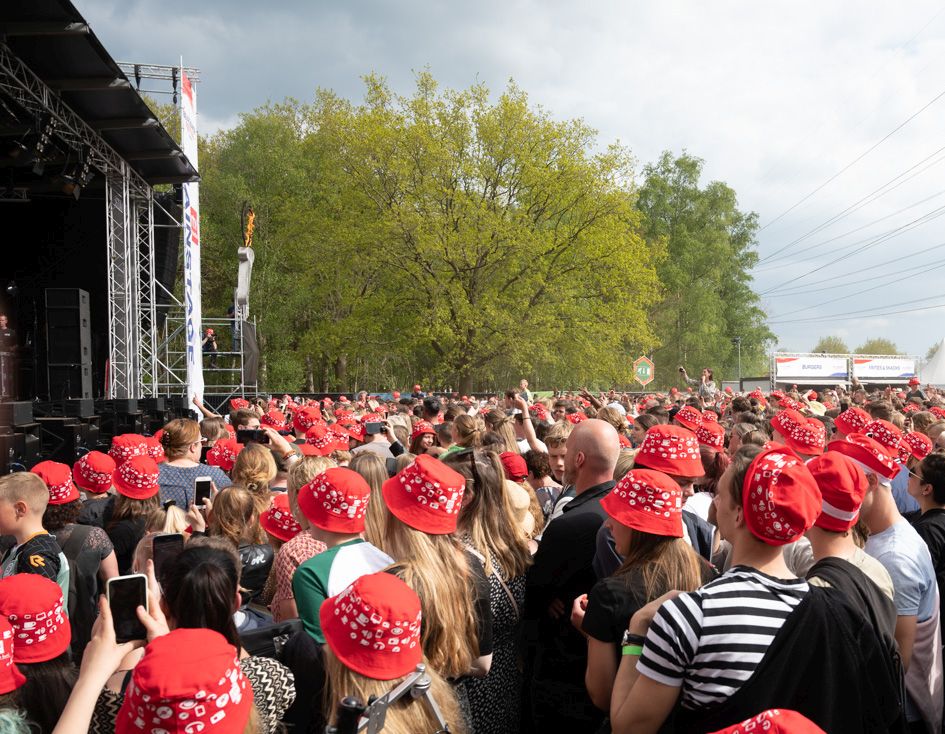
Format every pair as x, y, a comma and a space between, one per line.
644, 371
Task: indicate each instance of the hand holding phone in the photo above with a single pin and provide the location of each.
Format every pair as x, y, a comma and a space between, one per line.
125, 594
203, 490
164, 548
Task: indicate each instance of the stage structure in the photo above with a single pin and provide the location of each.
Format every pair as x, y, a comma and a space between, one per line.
56, 76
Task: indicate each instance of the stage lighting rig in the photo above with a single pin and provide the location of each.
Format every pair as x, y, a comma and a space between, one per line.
46, 127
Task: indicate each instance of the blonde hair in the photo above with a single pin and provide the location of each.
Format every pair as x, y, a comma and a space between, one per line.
612, 416
253, 471
179, 435
403, 461
302, 472
434, 567
408, 715
501, 425
468, 431
557, 435
625, 461
487, 515
25, 487
234, 516
170, 520
374, 470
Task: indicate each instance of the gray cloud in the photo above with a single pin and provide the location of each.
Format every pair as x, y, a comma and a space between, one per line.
775, 97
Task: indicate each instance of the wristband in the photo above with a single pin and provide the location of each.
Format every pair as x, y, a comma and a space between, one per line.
631, 639
632, 650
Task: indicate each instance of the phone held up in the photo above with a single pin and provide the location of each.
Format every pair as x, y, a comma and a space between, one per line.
203, 488
251, 435
125, 594
165, 547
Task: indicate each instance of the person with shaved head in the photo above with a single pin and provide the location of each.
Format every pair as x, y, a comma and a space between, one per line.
561, 571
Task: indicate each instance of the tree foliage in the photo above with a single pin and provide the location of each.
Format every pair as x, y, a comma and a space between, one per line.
463, 240
831, 345
710, 249
877, 345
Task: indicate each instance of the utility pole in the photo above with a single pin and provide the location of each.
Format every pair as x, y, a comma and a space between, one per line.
737, 341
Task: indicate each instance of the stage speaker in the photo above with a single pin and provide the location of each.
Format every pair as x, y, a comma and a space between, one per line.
166, 250
79, 408
68, 343
70, 381
17, 413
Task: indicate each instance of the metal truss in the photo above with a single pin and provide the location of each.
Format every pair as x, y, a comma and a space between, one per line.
129, 214
146, 321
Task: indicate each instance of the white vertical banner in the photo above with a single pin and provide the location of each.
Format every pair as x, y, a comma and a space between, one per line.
192, 305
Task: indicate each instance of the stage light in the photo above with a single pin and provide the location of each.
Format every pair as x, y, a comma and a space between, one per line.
46, 126
12, 289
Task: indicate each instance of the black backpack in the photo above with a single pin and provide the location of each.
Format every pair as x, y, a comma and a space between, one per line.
83, 590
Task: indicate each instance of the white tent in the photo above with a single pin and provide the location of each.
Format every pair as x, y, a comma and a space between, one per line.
933, 371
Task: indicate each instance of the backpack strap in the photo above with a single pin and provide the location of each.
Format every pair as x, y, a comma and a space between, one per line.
77, 537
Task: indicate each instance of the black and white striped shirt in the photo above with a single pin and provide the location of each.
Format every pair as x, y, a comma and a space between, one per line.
710, 641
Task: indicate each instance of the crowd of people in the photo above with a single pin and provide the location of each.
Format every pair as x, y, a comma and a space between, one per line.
695, 561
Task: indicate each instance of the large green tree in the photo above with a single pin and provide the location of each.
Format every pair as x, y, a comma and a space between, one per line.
710, 249
877, 345
441, 237
831, 345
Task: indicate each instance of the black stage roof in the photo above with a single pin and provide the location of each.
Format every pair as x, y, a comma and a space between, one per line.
53, 39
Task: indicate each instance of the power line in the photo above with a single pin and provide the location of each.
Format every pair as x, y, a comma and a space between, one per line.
846, 283
879, 239
867, 314
860, 293
852, 231
856, 160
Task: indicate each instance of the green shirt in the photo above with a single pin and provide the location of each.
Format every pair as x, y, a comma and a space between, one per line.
329, 573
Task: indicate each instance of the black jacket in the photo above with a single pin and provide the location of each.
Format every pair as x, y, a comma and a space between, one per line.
826, 662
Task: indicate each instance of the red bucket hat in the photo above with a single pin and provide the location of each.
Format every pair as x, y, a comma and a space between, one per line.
648, 501
126, 446
223, 453
913, 382
420, 428
780, 497
154, 449
274, 419
872, 455
239, 404
10, 676
373, 627
711, 434
774, 721
58, 480
188, 680
278, 520
709, 416
801, 434
937, 411
576, 418
426, 495
852, 420
890, 437
689, 417
355, 430
843, 486
514, 466
319, 441
919, 444
336, 500
35, 608
673, 450
305, 418
93, 472
137, 478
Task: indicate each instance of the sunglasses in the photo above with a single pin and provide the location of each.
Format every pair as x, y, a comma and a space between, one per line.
917, 476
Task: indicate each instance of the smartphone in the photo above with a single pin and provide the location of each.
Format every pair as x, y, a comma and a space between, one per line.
164, 548
203, 488
372, 429
251, 435
125, 594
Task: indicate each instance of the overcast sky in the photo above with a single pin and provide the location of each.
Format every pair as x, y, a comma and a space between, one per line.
776, 97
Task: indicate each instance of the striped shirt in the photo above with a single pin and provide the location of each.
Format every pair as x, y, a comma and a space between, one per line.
710, 641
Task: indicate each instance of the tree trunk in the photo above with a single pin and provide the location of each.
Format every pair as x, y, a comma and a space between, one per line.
341, 371
465, 383
309, 374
